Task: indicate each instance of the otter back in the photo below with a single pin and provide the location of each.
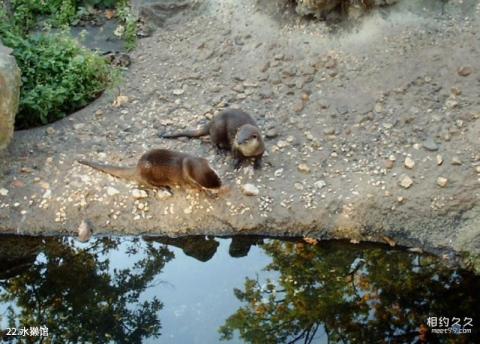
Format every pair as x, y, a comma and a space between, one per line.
164, 168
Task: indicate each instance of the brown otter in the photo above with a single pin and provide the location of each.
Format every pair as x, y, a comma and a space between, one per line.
165, 168
234, 130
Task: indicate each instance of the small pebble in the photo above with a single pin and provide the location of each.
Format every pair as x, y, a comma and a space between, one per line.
304, 168
3, 192
439, 160
464, 70
320, 184
388, 164
178, 92
405, 181
137, 193
409, 163
442, 182
84, 231
163, 194
430, 145
298, 186
250, 190
111, 191
329, 131
272, 133
456, 161
50, 131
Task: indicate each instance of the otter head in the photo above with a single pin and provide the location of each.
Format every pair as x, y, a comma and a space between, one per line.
248, 141
199, 172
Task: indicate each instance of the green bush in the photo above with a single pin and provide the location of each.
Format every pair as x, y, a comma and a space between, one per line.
58, 77
59, 12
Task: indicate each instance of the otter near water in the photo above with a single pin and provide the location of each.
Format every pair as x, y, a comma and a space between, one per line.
234, 130
165, 168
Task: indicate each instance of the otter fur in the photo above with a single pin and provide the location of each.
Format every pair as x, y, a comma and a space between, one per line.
234, 130
165, 168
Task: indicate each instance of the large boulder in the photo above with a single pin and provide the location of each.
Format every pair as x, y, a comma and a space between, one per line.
9, 94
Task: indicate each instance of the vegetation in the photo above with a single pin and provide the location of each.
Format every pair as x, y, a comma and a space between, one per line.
58, 75
349, 296
73, 292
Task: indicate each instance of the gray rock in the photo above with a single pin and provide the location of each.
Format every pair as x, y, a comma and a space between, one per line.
9, 95
84, 231
430, 145
271, 133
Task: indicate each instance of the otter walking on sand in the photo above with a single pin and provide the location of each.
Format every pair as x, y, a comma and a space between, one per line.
234, 130
165, 168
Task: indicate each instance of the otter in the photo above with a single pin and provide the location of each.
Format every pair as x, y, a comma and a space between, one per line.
234, 130
164, 168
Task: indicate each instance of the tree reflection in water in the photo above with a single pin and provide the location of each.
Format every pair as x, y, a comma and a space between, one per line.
351, 294
330, 292
72, 290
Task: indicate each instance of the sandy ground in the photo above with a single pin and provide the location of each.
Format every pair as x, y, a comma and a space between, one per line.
352, 117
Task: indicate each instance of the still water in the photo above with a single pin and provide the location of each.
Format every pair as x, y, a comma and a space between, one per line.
232, 290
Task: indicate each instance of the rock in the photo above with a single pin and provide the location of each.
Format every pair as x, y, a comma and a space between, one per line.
84, 231
451, 103
282, 144
442, 182
111, 191
238, 88
50, 131
430, 145
476, 169
329, 131
464, 70
388, 164
3, 192
163, 194
378, 108
319, 184
9, 95
298, 106
409, 163
271, 133
79, 126
298, 186
178, 92
439, 160
120, 101
303, 168
250, 190
405, 181
47, 194
456, 161
138, 194
278, 172
119, 31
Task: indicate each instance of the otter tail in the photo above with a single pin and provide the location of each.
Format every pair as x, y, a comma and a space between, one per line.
116, 171
188, 133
